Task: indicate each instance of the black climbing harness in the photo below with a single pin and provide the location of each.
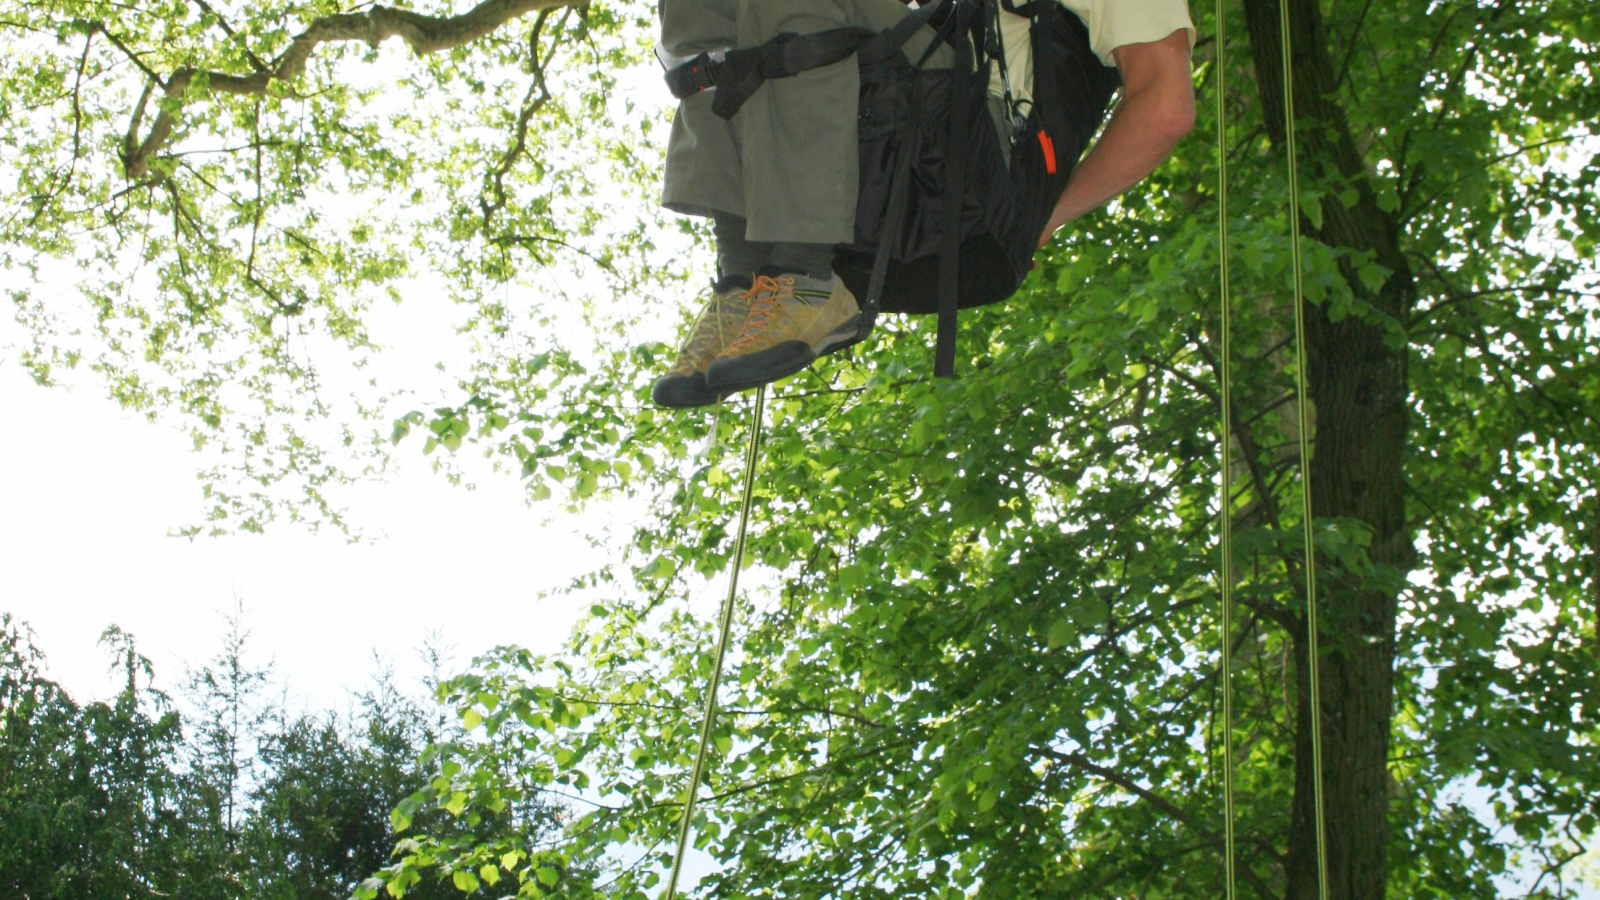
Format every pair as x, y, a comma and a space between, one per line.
949, 209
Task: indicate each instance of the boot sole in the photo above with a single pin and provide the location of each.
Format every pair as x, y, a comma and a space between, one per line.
684, 392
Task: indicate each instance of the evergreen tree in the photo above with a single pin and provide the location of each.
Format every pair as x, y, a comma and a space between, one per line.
88, 794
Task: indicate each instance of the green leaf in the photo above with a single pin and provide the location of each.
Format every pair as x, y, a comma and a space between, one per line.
548, 876
1311, 208
457, 803
987, 799
1374, 276
1061, 631
851, 577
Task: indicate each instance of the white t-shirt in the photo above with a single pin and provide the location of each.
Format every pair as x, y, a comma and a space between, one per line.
1111, 24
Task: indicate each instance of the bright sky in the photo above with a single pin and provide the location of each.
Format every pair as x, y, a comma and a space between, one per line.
90, 492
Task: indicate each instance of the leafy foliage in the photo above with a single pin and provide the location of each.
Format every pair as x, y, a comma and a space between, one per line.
983, 659
149, 797
88, 797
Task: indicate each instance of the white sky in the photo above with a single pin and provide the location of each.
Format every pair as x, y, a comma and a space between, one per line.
90, 492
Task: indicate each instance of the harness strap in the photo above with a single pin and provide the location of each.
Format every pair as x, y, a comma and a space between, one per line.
740, 73
1026, 10
787, 55
955, 184
894, 215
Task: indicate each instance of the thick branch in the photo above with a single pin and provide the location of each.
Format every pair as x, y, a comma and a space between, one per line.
423, 34
1079, 761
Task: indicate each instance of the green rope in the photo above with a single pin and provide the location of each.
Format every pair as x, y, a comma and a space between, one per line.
722, 645
1314, 652
1226, 505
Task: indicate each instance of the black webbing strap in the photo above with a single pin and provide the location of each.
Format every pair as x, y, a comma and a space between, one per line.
894, 215
895, 38
1026, 10
1045, 60
955, 182
740, 73
787, 55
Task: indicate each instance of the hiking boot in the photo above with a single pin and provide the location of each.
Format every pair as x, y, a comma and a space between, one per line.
793, 320
722, 319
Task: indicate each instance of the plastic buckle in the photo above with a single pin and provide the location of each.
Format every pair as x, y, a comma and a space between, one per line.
694, 76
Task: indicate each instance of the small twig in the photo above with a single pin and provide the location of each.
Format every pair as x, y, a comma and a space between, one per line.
77, 130
228, 30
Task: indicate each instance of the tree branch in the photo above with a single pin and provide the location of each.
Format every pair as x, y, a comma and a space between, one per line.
423, 34
1080, 761
538, 95
1161, 803
77, 130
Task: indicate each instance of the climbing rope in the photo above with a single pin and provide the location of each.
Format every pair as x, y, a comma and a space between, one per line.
1226, 505
1314, 652
1304, 427
726, 625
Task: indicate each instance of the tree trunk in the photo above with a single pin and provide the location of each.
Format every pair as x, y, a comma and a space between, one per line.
1359, 391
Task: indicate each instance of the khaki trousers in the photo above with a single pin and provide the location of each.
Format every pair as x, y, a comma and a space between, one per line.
787, 162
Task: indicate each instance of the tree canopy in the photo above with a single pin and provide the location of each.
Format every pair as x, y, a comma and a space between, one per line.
985, 656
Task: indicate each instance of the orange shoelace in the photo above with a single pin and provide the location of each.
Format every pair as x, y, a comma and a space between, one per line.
763, 296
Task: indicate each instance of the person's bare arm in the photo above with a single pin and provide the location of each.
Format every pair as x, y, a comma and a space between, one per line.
1155, 112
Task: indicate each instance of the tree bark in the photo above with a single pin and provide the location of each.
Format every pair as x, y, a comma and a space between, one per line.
1358, 387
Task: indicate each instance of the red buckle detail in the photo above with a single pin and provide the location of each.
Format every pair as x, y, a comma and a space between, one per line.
1049, 148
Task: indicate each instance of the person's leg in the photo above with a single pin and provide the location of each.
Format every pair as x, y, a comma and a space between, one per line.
702, 177
703, 173
800, 171
798, 135
786, 166
737, 255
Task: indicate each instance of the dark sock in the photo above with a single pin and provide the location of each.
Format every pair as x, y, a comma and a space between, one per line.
810, 260
735, 255
731, 283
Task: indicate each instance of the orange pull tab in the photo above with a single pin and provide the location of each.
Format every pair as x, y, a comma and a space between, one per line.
1049, 148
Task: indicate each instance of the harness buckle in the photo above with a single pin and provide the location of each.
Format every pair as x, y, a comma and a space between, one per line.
694, 76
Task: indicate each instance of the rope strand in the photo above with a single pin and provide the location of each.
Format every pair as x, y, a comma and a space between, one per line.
1225, 506
1314, 651
726, 629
